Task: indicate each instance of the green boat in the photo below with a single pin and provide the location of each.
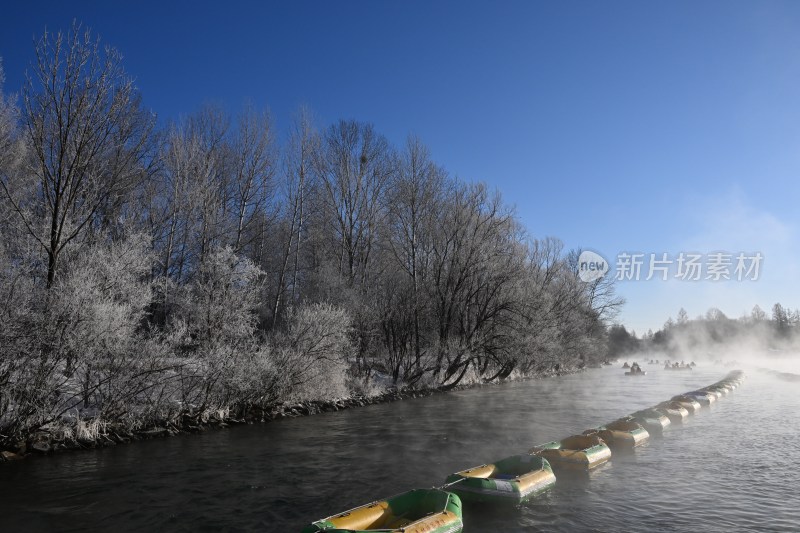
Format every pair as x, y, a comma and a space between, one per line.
582, 452
721, 388
510, 480
689, 403
415, 511
673, 410
622, 433
705, 398
651, 420
717, 394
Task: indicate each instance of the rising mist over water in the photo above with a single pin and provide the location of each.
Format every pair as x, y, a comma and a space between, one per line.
713, 472
753, 340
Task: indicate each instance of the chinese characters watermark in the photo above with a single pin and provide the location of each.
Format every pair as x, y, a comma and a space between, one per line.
688, 266
683, 266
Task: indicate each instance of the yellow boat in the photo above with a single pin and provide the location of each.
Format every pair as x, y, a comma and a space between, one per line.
415, 511
688, 403
621, 433
717, 394
578, 451
651, 420
673, 410
510, 480
703, 397
720, 388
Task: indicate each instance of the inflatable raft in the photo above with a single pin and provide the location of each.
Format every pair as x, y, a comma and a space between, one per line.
578, 451
702, 397
687, 402
720, 388
416, 511
510, 480
651, 420
621, 433
675, 412
717, 394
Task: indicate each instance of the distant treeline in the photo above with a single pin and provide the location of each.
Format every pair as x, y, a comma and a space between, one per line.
714, 333
147, 272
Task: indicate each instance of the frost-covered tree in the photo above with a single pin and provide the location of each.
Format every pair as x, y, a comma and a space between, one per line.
12, 147
219, 305
80, 349
102, 300
151, 275
297, 184
413, 198
353, 169
780, 319
758, 314
89, 141
313, 351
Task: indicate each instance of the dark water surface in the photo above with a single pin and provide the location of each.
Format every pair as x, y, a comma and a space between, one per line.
733, 467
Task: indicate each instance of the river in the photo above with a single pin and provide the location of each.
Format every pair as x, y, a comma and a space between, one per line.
733, 466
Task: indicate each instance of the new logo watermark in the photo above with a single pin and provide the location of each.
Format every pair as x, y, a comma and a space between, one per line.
591, 266
683, 266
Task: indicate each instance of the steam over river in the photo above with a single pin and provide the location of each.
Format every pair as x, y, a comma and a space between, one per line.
733, 466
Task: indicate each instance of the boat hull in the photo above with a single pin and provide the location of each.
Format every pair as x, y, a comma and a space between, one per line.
581, 452
415, 511
511, 480
674, 413
690, 404
651, 420
622, 434
703, 398
717, 394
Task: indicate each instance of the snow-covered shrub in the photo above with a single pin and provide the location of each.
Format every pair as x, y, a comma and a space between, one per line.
220, 303
25, 372
101, 300
214, 327
255, 379
311, 353
74, 346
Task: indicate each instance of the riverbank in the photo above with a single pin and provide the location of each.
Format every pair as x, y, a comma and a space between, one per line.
59, 437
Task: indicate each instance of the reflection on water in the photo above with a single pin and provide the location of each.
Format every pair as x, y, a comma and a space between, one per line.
731, 466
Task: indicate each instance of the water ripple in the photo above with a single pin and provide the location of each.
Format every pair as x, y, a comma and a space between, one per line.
732, 466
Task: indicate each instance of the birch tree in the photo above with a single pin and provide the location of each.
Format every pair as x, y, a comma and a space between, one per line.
299, 156
252, 169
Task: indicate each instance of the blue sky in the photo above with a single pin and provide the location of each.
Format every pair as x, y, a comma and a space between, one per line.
616, 126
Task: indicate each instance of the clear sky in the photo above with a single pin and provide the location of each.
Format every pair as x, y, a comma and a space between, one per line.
656, 127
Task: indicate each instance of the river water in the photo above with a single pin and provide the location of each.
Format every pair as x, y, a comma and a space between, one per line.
733, 466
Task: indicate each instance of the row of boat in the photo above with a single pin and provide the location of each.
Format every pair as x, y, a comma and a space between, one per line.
518, 478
